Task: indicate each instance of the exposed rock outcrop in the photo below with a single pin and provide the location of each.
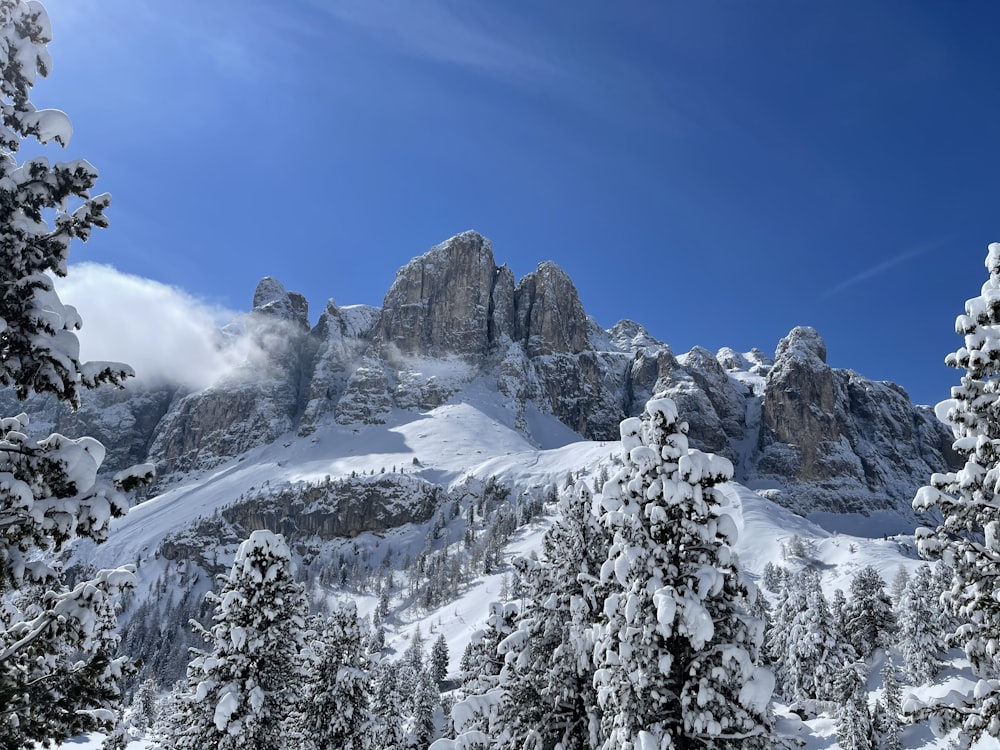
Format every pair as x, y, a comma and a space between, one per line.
253, 404
550, 317
271, 298
336, 346
799, 402
442, 303
836, 441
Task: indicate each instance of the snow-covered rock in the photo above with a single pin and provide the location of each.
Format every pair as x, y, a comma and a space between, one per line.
835, 442
454, 326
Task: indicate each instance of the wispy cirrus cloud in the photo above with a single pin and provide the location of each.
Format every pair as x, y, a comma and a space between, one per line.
466, 35
880, 268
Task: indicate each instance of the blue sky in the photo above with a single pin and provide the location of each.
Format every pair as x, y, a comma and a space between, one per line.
718, 171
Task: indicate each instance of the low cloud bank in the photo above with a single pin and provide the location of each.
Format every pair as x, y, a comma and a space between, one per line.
164, 333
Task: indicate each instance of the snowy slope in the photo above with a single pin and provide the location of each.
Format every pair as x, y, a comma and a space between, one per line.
476, 436
764, 527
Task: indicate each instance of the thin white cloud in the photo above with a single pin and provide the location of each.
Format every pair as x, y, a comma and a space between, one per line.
163, 332
437, 32
880, 268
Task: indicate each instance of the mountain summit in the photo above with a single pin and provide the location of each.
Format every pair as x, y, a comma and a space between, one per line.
455, 328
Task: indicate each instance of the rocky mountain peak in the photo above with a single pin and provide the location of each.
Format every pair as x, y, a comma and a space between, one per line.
753, 361
799, 400
630, 336
816, 437
550, 316
271, 298
442, 303
802, 342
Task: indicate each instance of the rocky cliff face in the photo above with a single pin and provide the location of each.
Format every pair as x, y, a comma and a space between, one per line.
836, 441
817, 438
442, 303
252, 405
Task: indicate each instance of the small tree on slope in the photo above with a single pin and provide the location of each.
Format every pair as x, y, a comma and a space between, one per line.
815, 649
548, 673
677, 658
869, 619
969, 502
920, 637
239, 692
335, 710
58, 675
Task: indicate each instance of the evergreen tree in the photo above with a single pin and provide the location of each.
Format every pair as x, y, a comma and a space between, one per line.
386, 702
677, 658
886, 722
920, 640
476, 715
439, 659
838, 608
548, 674
144, 709
411, 666
335, 711
854, 721
239, 692
947, 616
869, 617
58, 672
815, 648
772, 579
791, 601
426, 704
967, 500
898, 586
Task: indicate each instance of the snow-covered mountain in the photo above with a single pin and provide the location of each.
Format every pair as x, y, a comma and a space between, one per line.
456, 330
413, 448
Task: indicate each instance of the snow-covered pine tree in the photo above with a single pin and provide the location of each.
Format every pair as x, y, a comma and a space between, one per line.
476, 715
816, 650
410, 667
920, 640
869, 618
56, 676
240, 691
548, 675
968, 500
335, 710
886, 723
898, 585
677, 658
947, 618
772, 578
386, 703
439, 659
426, 707
838, 608
854, 720
144, 710
791, 600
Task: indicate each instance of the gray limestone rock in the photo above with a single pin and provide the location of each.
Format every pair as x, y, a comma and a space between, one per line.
839, 442
550, 317
250, 406
824, 439
335, 348
629, 336
366, 397
442, 303
271, 298
799, 400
